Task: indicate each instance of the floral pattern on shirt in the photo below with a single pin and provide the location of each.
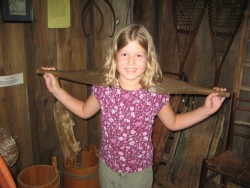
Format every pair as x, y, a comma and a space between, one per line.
127, 118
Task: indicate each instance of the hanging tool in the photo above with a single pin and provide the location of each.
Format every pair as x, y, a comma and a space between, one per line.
85, 14
224, 20
187, 19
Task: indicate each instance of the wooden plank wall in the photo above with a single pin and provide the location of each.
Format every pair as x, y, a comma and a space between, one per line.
26, 110
14, 99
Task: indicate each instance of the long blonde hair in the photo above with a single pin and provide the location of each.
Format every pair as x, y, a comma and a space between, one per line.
139, 33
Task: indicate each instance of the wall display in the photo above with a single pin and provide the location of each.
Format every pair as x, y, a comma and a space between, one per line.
17, 11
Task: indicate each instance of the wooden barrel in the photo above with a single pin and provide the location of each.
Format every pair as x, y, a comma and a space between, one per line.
84, 176
39, 176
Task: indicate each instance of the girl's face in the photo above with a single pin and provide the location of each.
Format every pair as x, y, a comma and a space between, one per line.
131, 62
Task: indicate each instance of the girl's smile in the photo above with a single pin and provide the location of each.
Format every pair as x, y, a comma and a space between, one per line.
131, 64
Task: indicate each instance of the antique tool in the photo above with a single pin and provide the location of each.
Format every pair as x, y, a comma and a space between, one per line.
168, 85
85, 14
224, 20
187, 19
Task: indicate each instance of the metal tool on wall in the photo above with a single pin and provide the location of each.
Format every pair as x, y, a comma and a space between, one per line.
224, 20
86, 17
187, 19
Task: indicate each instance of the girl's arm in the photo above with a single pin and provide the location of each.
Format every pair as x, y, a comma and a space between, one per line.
181, 121
80, 108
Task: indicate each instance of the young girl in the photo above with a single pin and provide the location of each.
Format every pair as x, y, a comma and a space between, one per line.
128, 109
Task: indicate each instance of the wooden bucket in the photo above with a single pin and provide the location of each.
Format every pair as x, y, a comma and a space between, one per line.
39, 176
84, 176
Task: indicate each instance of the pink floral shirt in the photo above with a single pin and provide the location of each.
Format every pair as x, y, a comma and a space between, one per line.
127, 118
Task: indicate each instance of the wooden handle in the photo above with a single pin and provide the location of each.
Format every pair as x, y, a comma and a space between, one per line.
91, 77
223, 93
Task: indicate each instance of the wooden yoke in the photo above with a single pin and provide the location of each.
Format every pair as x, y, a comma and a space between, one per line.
168, 85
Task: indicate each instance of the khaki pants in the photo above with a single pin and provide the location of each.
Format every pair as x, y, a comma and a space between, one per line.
111, 179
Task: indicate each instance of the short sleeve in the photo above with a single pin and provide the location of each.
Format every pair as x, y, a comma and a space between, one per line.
159, 101
96, 91
166, 99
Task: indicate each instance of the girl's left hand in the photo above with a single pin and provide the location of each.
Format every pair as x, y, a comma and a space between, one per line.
213, 101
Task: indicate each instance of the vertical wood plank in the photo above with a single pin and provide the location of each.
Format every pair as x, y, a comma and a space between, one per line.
16, 96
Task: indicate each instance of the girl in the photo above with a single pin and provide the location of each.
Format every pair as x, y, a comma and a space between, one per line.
128, 109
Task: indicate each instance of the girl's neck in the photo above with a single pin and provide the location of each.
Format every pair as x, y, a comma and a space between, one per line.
130, 86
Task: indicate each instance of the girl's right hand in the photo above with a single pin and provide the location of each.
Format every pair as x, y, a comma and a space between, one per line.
50, 80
